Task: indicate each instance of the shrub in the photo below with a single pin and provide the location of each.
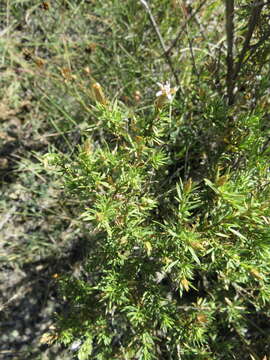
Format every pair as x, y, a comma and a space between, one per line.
172, 267
173, 198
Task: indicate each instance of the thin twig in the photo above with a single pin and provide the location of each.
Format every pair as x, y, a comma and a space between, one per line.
182, 30
254, 47
230, 42
155, 26
217, 71
253, 21
191, 49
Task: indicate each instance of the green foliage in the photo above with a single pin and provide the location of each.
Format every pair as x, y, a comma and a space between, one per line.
173, 268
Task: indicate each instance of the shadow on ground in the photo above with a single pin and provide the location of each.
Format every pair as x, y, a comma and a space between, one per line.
29, 304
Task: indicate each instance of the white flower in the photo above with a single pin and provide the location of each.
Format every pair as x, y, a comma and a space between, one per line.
164, 94
166, 91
